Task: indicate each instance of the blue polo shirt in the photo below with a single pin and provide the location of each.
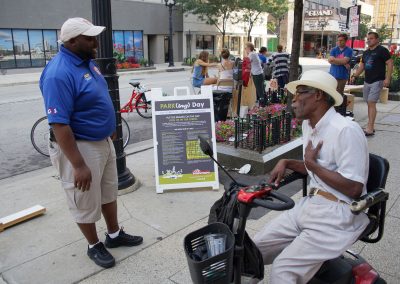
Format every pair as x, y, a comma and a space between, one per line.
75, 93
339, 71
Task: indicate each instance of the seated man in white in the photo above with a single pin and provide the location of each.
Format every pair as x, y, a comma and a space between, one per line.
335, 156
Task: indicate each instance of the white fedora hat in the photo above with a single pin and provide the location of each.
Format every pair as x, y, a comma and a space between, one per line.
320, 80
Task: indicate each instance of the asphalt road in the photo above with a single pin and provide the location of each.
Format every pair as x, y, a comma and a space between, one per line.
21, 106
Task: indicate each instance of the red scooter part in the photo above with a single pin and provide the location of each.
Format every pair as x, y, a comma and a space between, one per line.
248, 194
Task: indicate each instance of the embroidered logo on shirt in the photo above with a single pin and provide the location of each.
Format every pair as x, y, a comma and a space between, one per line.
96, 70
87, 76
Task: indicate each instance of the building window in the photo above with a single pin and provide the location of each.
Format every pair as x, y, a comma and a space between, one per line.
138, 44
21, 48
235, 44
205, 42
36, 48
257, 42
50, 44
118, 41
7, 59
128, 44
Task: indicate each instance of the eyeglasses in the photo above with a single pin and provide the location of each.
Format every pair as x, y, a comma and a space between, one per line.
303, 92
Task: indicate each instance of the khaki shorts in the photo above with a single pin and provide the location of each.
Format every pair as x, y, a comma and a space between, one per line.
100, 157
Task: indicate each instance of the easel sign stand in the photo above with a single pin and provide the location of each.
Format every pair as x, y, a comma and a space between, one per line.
178, 121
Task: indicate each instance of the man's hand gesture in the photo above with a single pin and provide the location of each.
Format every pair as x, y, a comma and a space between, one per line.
278, 173
311, 155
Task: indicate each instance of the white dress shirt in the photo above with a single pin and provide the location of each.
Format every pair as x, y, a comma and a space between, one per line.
344, 150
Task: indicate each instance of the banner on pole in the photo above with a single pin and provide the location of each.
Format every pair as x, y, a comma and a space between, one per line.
353, 20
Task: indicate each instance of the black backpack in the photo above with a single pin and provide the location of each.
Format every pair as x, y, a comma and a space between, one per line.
225, 210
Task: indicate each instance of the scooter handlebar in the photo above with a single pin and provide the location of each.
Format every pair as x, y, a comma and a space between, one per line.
288, 203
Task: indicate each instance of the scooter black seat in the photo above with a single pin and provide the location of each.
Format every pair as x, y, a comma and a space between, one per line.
134, 84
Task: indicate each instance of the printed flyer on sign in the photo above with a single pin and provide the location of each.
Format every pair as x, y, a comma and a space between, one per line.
178, 124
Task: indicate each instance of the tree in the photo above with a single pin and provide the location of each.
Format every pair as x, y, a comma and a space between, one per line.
384, 32
364, 26
294, 59
213, 12
249, 12
277, 9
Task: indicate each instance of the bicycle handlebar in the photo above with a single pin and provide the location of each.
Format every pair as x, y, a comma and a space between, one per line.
288, 203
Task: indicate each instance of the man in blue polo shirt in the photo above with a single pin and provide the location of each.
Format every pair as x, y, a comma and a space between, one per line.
82, 119
339, 59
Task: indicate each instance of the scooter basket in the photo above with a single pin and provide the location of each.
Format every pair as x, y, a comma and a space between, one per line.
216, 269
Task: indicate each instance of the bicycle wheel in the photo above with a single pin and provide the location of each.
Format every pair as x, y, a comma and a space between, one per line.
40, 135
143, 106
126, 132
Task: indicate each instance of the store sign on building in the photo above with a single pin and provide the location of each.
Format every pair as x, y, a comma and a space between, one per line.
318, 13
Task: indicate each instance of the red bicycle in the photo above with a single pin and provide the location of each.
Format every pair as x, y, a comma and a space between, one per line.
138, 101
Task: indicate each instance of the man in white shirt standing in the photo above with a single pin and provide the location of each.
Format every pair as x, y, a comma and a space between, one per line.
335, 156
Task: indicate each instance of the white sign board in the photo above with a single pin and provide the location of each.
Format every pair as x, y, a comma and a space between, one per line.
177, 122
354, 20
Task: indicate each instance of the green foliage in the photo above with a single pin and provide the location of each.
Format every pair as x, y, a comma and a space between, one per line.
213, 12
249, 12
384, 32
143, 62
364, 26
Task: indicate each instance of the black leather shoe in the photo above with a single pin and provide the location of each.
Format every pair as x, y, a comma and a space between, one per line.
123, 239
100, 255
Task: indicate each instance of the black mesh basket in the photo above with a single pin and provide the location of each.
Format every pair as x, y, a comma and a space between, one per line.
216, 269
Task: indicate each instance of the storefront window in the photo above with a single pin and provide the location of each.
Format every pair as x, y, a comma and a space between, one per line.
118, 40
21, 48
7, 59
205, 42
36, 48
257, 42
235, 44
129, 47
50, 44
138, 43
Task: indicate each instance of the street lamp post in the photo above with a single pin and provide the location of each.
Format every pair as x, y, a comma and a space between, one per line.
170, 4
322, 23
101, 14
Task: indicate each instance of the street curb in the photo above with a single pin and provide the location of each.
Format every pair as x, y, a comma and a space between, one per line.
123, 73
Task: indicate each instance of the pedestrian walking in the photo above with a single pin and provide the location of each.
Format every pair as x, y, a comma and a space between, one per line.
378, 66
280, 60
82, 120
257, 72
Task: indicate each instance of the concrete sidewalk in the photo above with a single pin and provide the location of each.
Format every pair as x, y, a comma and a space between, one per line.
32, 75
50, 249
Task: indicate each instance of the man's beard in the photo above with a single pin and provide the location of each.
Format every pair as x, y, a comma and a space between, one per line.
86, 55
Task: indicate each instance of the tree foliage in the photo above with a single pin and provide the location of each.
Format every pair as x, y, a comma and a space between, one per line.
384, 32
249, 12
277, 9
364, 26
214, 12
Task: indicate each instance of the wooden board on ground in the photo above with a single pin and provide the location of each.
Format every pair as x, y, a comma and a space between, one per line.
21, 216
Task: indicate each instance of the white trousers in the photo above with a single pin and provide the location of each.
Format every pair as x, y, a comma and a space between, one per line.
301, 239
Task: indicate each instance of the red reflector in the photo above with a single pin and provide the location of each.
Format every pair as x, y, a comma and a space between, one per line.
364, 274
